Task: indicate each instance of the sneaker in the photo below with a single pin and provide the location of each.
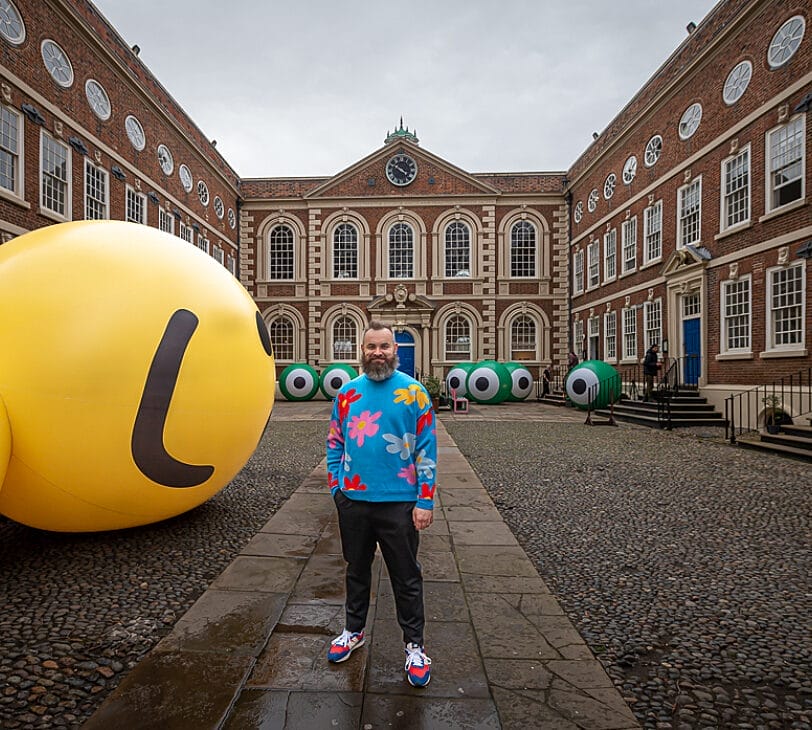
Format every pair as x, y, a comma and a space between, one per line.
342, 646
418, 665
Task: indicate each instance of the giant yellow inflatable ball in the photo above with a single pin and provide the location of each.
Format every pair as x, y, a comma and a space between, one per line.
136, 376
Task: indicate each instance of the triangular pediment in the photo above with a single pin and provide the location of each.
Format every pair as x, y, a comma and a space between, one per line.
685, 258
435, 176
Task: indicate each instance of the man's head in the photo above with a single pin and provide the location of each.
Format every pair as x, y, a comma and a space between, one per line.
655, 347
379, 357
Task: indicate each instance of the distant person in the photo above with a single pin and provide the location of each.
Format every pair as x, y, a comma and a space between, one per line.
381, 470
572, 360
651, 366
546, 382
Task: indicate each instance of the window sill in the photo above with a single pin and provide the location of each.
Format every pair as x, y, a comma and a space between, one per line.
14, 198
649, 264
722, 356
609, 279
630, 361
794, 205
53, 216
769, 354
733, 230
628, 273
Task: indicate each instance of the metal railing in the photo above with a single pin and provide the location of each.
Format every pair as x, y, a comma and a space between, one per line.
779, 401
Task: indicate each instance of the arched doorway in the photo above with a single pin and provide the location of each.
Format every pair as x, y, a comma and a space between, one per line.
405, 342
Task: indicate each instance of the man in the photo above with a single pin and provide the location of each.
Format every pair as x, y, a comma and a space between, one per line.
381, 470
651, 366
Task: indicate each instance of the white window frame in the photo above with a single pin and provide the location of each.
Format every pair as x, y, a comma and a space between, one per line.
284, 351
406, 268
629, 245
97, 200
458, 346
578, 337
520, 350
345, 253
218, 254
578, 272
17, 155
629, 341
683, 218
185, 232
166, 221
231, 263
652, 323
610, 255
457, 250
67, 188
593, 254
610, 336
132, 199
653, 232
273, 268
794, 347
768, 161
730, 195
203, 243
521, 268
726, 319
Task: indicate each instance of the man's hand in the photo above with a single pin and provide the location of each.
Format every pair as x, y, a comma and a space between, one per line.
422, 518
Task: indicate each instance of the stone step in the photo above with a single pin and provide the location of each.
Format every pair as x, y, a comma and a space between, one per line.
756, 442
644, 418
788, 439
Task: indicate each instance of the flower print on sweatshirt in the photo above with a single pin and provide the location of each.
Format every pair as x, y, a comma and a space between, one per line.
403, 446
363, 426
345, 400
415, 393
382, 443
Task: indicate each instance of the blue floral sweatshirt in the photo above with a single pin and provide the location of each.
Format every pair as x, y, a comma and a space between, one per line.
382, 444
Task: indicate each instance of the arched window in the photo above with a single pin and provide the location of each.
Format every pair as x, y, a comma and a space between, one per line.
458, 338
280, 253
401, 251
523, 249
345, 339
345, 252
523, 338
281, 331
458, 250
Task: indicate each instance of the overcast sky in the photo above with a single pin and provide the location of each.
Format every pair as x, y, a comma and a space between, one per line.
309, 87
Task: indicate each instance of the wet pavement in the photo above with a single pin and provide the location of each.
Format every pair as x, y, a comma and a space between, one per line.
251, 652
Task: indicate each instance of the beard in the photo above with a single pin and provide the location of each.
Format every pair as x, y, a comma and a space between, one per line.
377, 368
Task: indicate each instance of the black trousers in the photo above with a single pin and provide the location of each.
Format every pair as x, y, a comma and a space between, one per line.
364, 525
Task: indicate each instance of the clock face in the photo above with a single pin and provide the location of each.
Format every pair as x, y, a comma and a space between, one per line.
401, 169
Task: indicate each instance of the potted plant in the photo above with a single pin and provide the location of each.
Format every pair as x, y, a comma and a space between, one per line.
432, 384
774, 414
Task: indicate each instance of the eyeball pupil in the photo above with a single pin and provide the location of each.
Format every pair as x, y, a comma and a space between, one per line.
482, 383
579, 386
523, 382
454, 381
299, 382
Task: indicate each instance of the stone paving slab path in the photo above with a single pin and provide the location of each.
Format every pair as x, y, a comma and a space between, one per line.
251, 652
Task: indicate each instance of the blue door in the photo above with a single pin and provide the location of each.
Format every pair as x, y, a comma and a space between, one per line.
405, 352
692, 350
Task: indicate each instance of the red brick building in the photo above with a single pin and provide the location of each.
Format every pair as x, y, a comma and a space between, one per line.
691, 222
88, 132
686, 222
466, 266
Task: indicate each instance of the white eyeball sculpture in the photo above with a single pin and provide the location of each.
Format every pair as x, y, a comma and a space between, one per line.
593, 384
299, 382
488, 382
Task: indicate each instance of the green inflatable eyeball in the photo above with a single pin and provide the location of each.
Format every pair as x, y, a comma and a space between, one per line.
593, 384
333, 378
488, 382
299, 382
521, 381
455, 380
